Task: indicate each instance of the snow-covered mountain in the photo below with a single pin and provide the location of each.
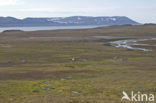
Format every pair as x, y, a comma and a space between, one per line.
66, 21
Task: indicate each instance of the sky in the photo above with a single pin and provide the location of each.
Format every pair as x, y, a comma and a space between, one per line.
143, 11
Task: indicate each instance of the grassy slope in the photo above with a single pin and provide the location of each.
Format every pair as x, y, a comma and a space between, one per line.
96, 75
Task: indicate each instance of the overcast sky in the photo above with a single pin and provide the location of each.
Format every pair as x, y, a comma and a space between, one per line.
143, 11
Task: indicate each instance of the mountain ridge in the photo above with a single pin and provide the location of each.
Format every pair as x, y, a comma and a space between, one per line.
66, 21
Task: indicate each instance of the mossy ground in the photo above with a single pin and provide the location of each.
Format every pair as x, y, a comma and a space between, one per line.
95, 77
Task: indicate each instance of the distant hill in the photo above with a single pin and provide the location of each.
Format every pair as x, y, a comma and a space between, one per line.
7, 31
150, 24
66, 21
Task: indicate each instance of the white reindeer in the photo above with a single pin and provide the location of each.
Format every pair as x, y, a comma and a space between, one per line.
73, 59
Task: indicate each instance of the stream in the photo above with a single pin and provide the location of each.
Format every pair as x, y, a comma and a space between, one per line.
133, 42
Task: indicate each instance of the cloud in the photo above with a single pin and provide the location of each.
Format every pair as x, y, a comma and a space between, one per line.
9, 2
69, 10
